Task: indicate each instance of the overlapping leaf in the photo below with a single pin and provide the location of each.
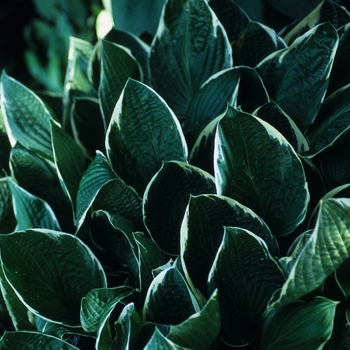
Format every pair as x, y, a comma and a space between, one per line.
246, 276
143, 132
28, 258
255, 165
188, 48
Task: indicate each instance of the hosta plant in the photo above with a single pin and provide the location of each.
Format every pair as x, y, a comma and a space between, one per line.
188, 193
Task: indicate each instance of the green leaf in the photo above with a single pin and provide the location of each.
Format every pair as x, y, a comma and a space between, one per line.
203, 229
254, 43
341, 276
98, 303
331, 121
127, 328
5, 144
117, 65
256, 165
211, 99
302, 70
159, 341
327, 248
143, 132
31, 211
39, 177
26, 118
150, 257
246, 276
136, 16
32, 341
272, 113
201, 329
166, 198
69, 161
168, 300
299, 325
50, 271
189, 47
5, 200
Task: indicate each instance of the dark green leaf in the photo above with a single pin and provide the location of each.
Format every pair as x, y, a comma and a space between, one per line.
257, 166
143, 132
127, 328
342, 279
253, 8
26, 118
137, 16
299, 325
98, 304
50, 271
189, 47
5, 145
168, 300
117, 65
5, 200
203, 229
297, 77
31, 211
150, 257
274, 115
332, 120
69, 161
211, 100
254, 43
327, 248
294, 9
166, 198
33, 341
201, 329
246, 276
88, 125
159, 341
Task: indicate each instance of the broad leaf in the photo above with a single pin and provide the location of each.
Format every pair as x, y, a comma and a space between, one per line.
117, 65
332, 120
33, 341
203, 229
168, 300
159, 341
188, 48
327, 248
97, 304
302, 70
127, 328
255, 165
143, 132
26, 118
201, 329
299, 325
246, 276
150, 257
50, 271
341, 276
31, 211
166, 198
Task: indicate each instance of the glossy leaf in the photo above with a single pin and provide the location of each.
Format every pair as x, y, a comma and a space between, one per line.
117, 65
159, 341
254, 43
327, 248
302, 70
143, 132
127, 328
255, 165
168, 300
166, 198
341, 276
97, 304
299, 325
27, 260
31, 211
32, 341
203, 229
189, 47
246, 276
69, 161
201, 329
331, 121
26, 118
